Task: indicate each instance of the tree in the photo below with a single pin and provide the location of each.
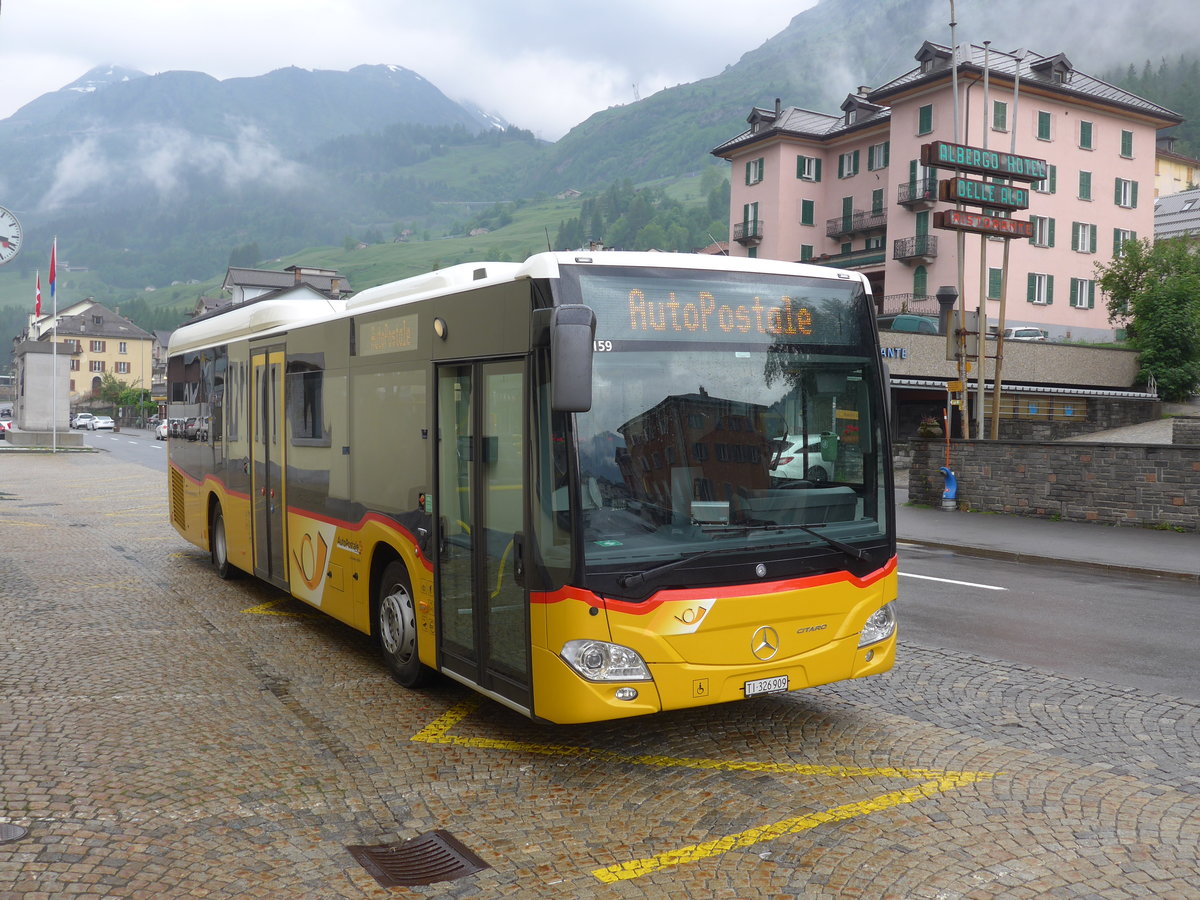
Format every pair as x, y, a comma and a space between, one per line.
1154, 291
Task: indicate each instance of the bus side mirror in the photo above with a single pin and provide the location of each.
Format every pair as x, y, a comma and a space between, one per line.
572, 332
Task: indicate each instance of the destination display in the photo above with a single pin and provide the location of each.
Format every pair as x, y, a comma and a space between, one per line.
983, 193
679, 308
946, 155
962, 220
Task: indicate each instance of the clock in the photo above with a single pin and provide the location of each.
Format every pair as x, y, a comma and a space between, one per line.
10, 236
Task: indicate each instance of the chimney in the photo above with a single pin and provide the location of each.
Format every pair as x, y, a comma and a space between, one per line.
778, 107
863, 90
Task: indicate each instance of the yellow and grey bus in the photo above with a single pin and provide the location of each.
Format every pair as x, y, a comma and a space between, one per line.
588, 485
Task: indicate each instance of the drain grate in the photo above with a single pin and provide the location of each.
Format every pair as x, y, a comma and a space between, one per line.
425, 859
10, 833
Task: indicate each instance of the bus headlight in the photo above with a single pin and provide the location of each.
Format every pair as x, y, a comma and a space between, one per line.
880, 626
602, 661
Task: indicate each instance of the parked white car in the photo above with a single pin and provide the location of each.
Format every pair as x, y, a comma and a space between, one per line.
81, 420
101, 422
1024, 334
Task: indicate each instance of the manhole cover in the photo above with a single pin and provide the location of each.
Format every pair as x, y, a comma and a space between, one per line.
425, 859
10, 833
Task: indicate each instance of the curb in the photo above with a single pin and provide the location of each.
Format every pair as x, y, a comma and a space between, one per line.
1019, 556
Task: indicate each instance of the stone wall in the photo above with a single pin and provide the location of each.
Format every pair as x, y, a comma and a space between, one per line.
1151, 485
1185, 430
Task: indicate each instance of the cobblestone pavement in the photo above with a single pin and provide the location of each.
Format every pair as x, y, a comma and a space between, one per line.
167, 734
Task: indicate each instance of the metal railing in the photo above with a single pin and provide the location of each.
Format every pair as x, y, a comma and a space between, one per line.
859, 220
748, 231
923, 190
921, 246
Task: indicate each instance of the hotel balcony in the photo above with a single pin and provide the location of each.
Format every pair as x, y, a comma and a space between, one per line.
748, 234
919, 194
919, 249
858, 222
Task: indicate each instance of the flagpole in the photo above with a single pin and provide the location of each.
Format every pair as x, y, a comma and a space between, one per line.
54, 351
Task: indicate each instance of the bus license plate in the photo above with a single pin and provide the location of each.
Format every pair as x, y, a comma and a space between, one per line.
775, 685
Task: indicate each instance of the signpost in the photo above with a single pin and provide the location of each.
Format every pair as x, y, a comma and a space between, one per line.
983, 161
1000, 226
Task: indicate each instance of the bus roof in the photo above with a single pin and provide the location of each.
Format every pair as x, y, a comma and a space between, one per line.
267, 316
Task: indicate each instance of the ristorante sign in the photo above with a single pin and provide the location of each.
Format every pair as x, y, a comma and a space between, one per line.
985, 162
961, 220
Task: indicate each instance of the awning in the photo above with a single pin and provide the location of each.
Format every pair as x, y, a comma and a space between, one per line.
939, 384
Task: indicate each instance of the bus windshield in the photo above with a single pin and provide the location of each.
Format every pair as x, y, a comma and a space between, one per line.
732, 413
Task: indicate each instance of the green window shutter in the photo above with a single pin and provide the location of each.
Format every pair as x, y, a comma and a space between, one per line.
922, 223
925, 119
848, 247
995, 277
1085, 185
1043, 125
1127, 144
847, 207
1092, 229
1074, 291
800, 166
807, 212
1053, 178
817, 170
748, 173
1085, 135
1050, 234
1075, 226
912, 175
841, 165
877, 201
855, 172
1117, 241
806, 252
887, 152
920, 282
1031, 288
1133, 194
1117, 192
1049, 289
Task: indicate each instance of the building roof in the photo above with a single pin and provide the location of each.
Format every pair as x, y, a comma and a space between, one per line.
97, 321
1053, 73
324, 280
1177, 214
867, 108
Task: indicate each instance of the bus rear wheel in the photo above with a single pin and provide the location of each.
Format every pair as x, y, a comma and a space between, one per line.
219, 545
396, 626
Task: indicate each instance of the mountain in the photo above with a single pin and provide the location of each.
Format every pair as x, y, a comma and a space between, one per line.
828, 51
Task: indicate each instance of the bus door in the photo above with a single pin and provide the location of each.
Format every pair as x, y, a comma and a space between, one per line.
267, 463
483, 611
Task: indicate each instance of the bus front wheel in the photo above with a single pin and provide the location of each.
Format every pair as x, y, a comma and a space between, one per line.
396, 625
219, 545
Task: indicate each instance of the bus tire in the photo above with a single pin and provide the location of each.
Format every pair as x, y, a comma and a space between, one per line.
396, 626
219, 545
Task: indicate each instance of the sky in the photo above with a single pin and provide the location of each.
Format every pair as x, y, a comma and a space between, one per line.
544, 65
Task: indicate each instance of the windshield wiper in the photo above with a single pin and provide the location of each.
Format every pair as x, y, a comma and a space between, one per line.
633, 579
848, 549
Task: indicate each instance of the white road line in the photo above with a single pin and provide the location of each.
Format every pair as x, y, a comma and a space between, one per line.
985, 587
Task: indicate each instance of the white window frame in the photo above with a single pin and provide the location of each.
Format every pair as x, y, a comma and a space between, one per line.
808, 168
1041, 230
1041, 286
877, 156
1083, 293
1083, 237
1126, 189
847, 164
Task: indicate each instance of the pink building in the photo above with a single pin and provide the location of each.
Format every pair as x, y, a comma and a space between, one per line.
849, 190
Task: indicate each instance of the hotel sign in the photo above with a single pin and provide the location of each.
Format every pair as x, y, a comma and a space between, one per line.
983, 162
961, 220
983, 193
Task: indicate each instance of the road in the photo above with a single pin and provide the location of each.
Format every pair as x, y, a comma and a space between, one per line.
170, 734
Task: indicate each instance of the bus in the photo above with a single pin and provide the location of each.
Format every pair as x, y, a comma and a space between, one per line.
588, 485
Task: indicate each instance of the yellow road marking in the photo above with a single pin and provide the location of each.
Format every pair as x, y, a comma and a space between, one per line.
438, 732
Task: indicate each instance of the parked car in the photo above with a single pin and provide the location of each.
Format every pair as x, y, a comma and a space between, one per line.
161, 430
910, 323
792, 464
98, 423
5, 426
196, 428
81, 420
1024, 334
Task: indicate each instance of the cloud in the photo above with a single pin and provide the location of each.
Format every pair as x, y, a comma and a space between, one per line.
169, 159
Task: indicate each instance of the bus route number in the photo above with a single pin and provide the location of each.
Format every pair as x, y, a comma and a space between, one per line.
602, 346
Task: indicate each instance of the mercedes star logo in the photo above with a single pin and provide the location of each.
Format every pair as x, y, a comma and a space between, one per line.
765, 643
